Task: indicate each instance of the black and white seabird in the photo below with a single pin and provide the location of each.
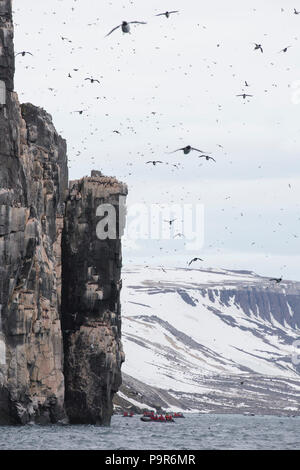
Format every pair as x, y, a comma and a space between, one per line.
277, 280
23, 53
92, 80
154, 162
258, 46
170, 221
188, 149
125, 26
207, 157
285, 49
244, 95
167, 13
195, 259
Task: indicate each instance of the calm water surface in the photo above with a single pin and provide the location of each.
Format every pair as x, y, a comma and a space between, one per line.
192, 432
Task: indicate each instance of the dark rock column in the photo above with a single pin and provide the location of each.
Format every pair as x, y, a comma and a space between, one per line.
91, 301
7, 58
33, 180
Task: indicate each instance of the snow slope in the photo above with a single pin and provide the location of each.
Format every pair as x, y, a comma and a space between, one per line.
199, 333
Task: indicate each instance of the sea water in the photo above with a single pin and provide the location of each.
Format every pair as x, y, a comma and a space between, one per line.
195, 431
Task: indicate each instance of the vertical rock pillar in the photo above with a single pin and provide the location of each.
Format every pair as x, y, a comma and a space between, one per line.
91, 299
7, 58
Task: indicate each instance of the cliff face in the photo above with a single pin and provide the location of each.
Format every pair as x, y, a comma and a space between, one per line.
30, 210
91, 300
7, 62
33, 179
33, 191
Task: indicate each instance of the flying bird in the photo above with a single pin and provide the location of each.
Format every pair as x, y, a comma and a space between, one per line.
23, 53
284, 49
277, 280
258, 46
154, 162
188, 149
244, 95
207, 157
92, 80
170, 221
125, 26
167, 13
195, 259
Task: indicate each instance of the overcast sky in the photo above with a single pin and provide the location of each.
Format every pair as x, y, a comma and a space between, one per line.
170, 83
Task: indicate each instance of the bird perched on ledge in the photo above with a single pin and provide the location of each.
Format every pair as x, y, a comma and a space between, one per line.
125, 26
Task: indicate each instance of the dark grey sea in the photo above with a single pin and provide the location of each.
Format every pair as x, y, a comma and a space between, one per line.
195, 431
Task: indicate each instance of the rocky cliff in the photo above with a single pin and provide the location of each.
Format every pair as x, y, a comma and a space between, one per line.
35, 208
91, 299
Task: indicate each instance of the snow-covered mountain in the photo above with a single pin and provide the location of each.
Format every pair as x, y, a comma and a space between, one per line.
209, 340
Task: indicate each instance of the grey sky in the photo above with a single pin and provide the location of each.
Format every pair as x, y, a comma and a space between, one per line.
187, 70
